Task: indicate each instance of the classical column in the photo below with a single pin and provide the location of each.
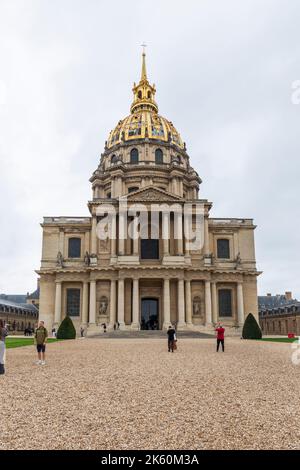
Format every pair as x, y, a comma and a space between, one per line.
113, 298
208, 316
206, 236
181, 306
121, 300
94, 236
167, 309
113, 235
135, 304
166, 232
92, 319
57, 315
136, 239
188, 302
85, 303
178, 232
240, 304
214, 302
121, 233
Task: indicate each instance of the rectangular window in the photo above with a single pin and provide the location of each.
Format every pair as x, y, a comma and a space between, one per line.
74, 250
73, 302
149, 249
223, 248
225, 303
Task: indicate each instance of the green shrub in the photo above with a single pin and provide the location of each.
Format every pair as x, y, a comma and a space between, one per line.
66, 329
251, 329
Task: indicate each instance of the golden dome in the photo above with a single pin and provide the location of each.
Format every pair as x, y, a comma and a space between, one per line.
144, 121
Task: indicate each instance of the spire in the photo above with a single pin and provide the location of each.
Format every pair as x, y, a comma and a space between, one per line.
144, 71
143, 92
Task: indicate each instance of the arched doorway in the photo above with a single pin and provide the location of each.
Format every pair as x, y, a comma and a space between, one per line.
150, 314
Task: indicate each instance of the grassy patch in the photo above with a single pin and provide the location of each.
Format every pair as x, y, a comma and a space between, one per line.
18, 342
280, 340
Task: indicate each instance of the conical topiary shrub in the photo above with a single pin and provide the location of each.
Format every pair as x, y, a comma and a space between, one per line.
66, 329
251, 329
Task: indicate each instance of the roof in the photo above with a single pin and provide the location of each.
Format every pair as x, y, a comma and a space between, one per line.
17, 306
17, 298
35, 294
274, 301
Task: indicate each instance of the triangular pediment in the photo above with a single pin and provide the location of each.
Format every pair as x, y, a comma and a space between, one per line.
152, 194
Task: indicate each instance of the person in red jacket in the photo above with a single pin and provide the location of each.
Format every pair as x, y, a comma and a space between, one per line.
220, 336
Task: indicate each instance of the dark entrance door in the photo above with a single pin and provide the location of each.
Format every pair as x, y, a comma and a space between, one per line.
149, 314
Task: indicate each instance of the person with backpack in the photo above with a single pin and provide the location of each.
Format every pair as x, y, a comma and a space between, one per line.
3, 334
40, 339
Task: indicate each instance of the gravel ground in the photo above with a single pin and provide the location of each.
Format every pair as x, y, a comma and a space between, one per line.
133, 394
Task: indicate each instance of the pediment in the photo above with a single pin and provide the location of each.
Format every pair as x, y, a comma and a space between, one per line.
152, 194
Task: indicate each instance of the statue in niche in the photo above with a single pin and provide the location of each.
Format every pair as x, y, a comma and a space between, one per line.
60, 260
87, 259
103, 305
197, 306
238, 260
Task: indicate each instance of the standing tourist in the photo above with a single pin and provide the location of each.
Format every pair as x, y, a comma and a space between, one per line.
3, 334
81, 331
171, 338
40, 339
220, 336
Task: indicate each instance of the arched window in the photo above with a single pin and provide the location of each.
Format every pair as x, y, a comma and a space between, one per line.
114, 159
74, 248
149, 95
159, 158
223, 249
140, 95
134, 156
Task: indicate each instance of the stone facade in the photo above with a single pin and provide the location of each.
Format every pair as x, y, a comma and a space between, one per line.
279, 314
98, 281
18, 317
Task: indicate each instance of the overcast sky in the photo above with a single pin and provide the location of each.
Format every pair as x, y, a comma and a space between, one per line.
224, 72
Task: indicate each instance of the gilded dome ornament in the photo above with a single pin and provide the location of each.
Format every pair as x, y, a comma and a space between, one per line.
144, 122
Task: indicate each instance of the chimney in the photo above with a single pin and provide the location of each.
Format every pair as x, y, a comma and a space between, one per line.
288, 296
269, 295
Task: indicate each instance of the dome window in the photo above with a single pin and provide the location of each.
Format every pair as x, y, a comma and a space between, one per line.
149, 95
140, 95
134, 156
114, 159
159, 158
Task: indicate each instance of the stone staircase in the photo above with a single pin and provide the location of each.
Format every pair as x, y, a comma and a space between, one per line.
155, 334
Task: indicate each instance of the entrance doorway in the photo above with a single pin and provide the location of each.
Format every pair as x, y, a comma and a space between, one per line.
150, 314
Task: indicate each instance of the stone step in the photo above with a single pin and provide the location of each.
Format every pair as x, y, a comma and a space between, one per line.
122, 334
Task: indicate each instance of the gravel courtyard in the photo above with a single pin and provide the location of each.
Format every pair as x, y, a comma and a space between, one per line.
133, 394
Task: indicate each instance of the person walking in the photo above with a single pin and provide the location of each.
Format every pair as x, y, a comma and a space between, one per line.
40, 339
81, 331
220, 336
3, 334
171, 338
